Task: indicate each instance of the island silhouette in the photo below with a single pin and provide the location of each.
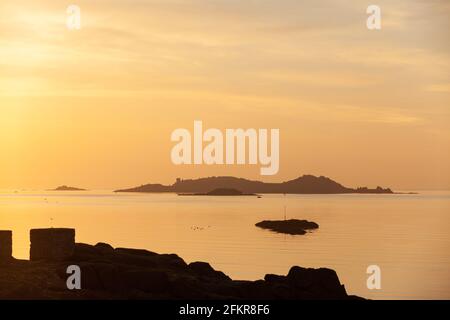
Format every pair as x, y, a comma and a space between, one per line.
306, 184
67, 188
220, 192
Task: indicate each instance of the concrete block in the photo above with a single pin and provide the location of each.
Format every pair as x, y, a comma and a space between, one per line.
52, 244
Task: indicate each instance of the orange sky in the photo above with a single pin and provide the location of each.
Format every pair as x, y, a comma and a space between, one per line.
95, 108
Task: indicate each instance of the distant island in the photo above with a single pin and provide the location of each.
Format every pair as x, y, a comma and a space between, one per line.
67, 188
306, 184
292, 227
220, 192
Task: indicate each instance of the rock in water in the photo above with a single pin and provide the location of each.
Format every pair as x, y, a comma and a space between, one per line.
293, 227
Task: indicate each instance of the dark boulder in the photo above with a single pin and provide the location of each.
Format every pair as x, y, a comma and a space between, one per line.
148, 281
204, 270
136, 252
84, 252
104, 248
90, 278
274, 278
321, 282
128, 259
189, 288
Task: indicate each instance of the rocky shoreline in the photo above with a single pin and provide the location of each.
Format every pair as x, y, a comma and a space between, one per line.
119, 273
108, 273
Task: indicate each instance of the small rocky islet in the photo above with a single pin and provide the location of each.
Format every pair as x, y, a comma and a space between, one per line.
67, 188
292, 226
119, 273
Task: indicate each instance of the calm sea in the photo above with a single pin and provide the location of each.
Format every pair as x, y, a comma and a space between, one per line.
406, 235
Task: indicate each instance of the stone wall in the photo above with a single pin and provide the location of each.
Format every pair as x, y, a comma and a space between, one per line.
5, 244
52, 244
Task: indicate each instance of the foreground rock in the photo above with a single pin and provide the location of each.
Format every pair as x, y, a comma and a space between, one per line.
293, 226
108, 273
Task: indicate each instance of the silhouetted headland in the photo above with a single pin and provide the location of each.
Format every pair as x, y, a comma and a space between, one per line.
293, 226
67, 188
220, 192
118, 273
307, 184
